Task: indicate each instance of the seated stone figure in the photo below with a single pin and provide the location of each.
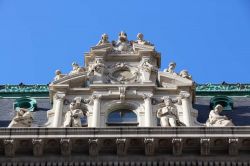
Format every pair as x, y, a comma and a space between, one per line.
168, 114
76, 69
73, 116
217, 120
23, 118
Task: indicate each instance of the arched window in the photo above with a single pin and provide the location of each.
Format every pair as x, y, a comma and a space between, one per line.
122, 117
225, 101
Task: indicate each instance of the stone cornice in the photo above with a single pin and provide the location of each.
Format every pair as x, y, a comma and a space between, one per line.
151, 132
201, 90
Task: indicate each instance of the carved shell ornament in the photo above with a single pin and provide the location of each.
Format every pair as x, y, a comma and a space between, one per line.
122, 73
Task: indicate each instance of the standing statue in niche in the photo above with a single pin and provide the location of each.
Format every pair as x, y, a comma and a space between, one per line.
168, 114
96, 70
76, 69
171, 68
217, 120
140, 40
148, 70
23, 118
73, 116
104, 40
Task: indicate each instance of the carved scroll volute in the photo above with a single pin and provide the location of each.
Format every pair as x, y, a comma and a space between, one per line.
38, 146
9, 147
93, 147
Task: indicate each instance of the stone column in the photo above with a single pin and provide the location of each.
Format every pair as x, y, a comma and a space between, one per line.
96, 111
186, 108
148, 110
37, 147
122, 146
93, 147
65, 146
58, 101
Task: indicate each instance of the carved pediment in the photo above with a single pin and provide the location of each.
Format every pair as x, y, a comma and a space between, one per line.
171, 80
75, 80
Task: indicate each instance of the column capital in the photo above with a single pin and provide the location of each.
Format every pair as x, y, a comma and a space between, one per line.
60, 96
147, 95
96, 96
184, 94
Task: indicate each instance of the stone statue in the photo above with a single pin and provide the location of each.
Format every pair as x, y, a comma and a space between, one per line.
217, 120
185, 74
98, 66
168, 114
104, 40
23, 118
76, 69
122, 44
171, 68
73, 116
147, 66
140, 40
58, 76
147, 70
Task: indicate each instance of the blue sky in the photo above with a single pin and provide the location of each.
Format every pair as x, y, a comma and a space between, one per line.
210, 38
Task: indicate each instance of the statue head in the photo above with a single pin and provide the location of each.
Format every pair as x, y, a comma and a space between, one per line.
184, 74
123, 36
75, 65
105, 37
72, 105
140, 36
58, 72
218, 108
168, 101
172, 65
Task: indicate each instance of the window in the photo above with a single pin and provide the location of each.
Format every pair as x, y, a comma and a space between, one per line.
225, 101
25, 102
122, 117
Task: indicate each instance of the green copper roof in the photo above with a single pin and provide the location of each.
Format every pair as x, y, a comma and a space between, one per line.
22, 90
223, 89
